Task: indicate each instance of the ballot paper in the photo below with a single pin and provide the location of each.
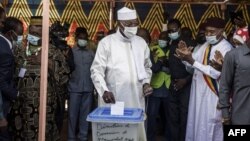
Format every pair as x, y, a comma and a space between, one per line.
117, 108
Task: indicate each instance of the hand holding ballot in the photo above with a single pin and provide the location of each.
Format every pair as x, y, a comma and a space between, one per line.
108, 97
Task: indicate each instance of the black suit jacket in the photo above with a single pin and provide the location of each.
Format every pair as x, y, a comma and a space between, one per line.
7, 66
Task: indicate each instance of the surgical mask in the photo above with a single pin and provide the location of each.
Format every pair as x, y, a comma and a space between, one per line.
162, 43
82, 43
212, 39
174, 36
130, 31
33, 39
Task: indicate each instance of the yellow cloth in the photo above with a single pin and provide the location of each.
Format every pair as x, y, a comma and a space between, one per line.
159, 78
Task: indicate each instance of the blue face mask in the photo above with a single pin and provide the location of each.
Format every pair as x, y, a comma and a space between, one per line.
33, 39
82, 43
162, 43
174, 36
212, 39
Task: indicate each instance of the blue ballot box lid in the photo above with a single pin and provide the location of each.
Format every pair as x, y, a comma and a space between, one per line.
102, 114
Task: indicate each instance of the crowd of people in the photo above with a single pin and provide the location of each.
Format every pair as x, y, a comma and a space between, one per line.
196, 85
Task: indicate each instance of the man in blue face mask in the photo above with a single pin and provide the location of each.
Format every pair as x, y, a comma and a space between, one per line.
214, 31
180, 83
28, 66
80, 87
160, 82
121, 68
201, 125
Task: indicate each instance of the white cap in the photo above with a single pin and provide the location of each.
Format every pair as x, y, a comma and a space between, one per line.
238, 38
126, 14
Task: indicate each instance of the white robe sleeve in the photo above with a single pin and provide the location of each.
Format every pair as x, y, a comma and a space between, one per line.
147, 65
189, 68
98, 69
207, 69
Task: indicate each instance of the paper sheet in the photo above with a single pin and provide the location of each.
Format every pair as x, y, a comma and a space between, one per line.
117, 108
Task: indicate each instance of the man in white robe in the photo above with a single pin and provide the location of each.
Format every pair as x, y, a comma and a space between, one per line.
204, 119
121, 68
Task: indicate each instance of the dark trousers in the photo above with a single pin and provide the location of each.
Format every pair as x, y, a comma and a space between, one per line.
60, 109
153, 108
178, 111
4, 133
79, 108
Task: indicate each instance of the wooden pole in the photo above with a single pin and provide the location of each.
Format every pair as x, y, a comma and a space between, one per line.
111, 14
223, 8
44, 71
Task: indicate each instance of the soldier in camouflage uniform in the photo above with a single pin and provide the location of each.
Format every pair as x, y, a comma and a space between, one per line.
58, 34
25, 110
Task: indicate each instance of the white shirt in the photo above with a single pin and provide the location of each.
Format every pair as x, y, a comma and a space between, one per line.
114, 69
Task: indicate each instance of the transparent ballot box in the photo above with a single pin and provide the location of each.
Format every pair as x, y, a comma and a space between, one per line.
107, 127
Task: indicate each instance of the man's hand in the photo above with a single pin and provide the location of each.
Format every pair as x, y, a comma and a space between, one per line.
108, 97
182, 45
218, 60
184, 53
147, 89
163, 60
154, 52
179, 84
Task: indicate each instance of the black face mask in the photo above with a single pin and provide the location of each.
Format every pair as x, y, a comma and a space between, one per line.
201, 38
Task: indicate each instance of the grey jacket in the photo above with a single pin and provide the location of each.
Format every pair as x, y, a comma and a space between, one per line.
80, 80
235, 79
